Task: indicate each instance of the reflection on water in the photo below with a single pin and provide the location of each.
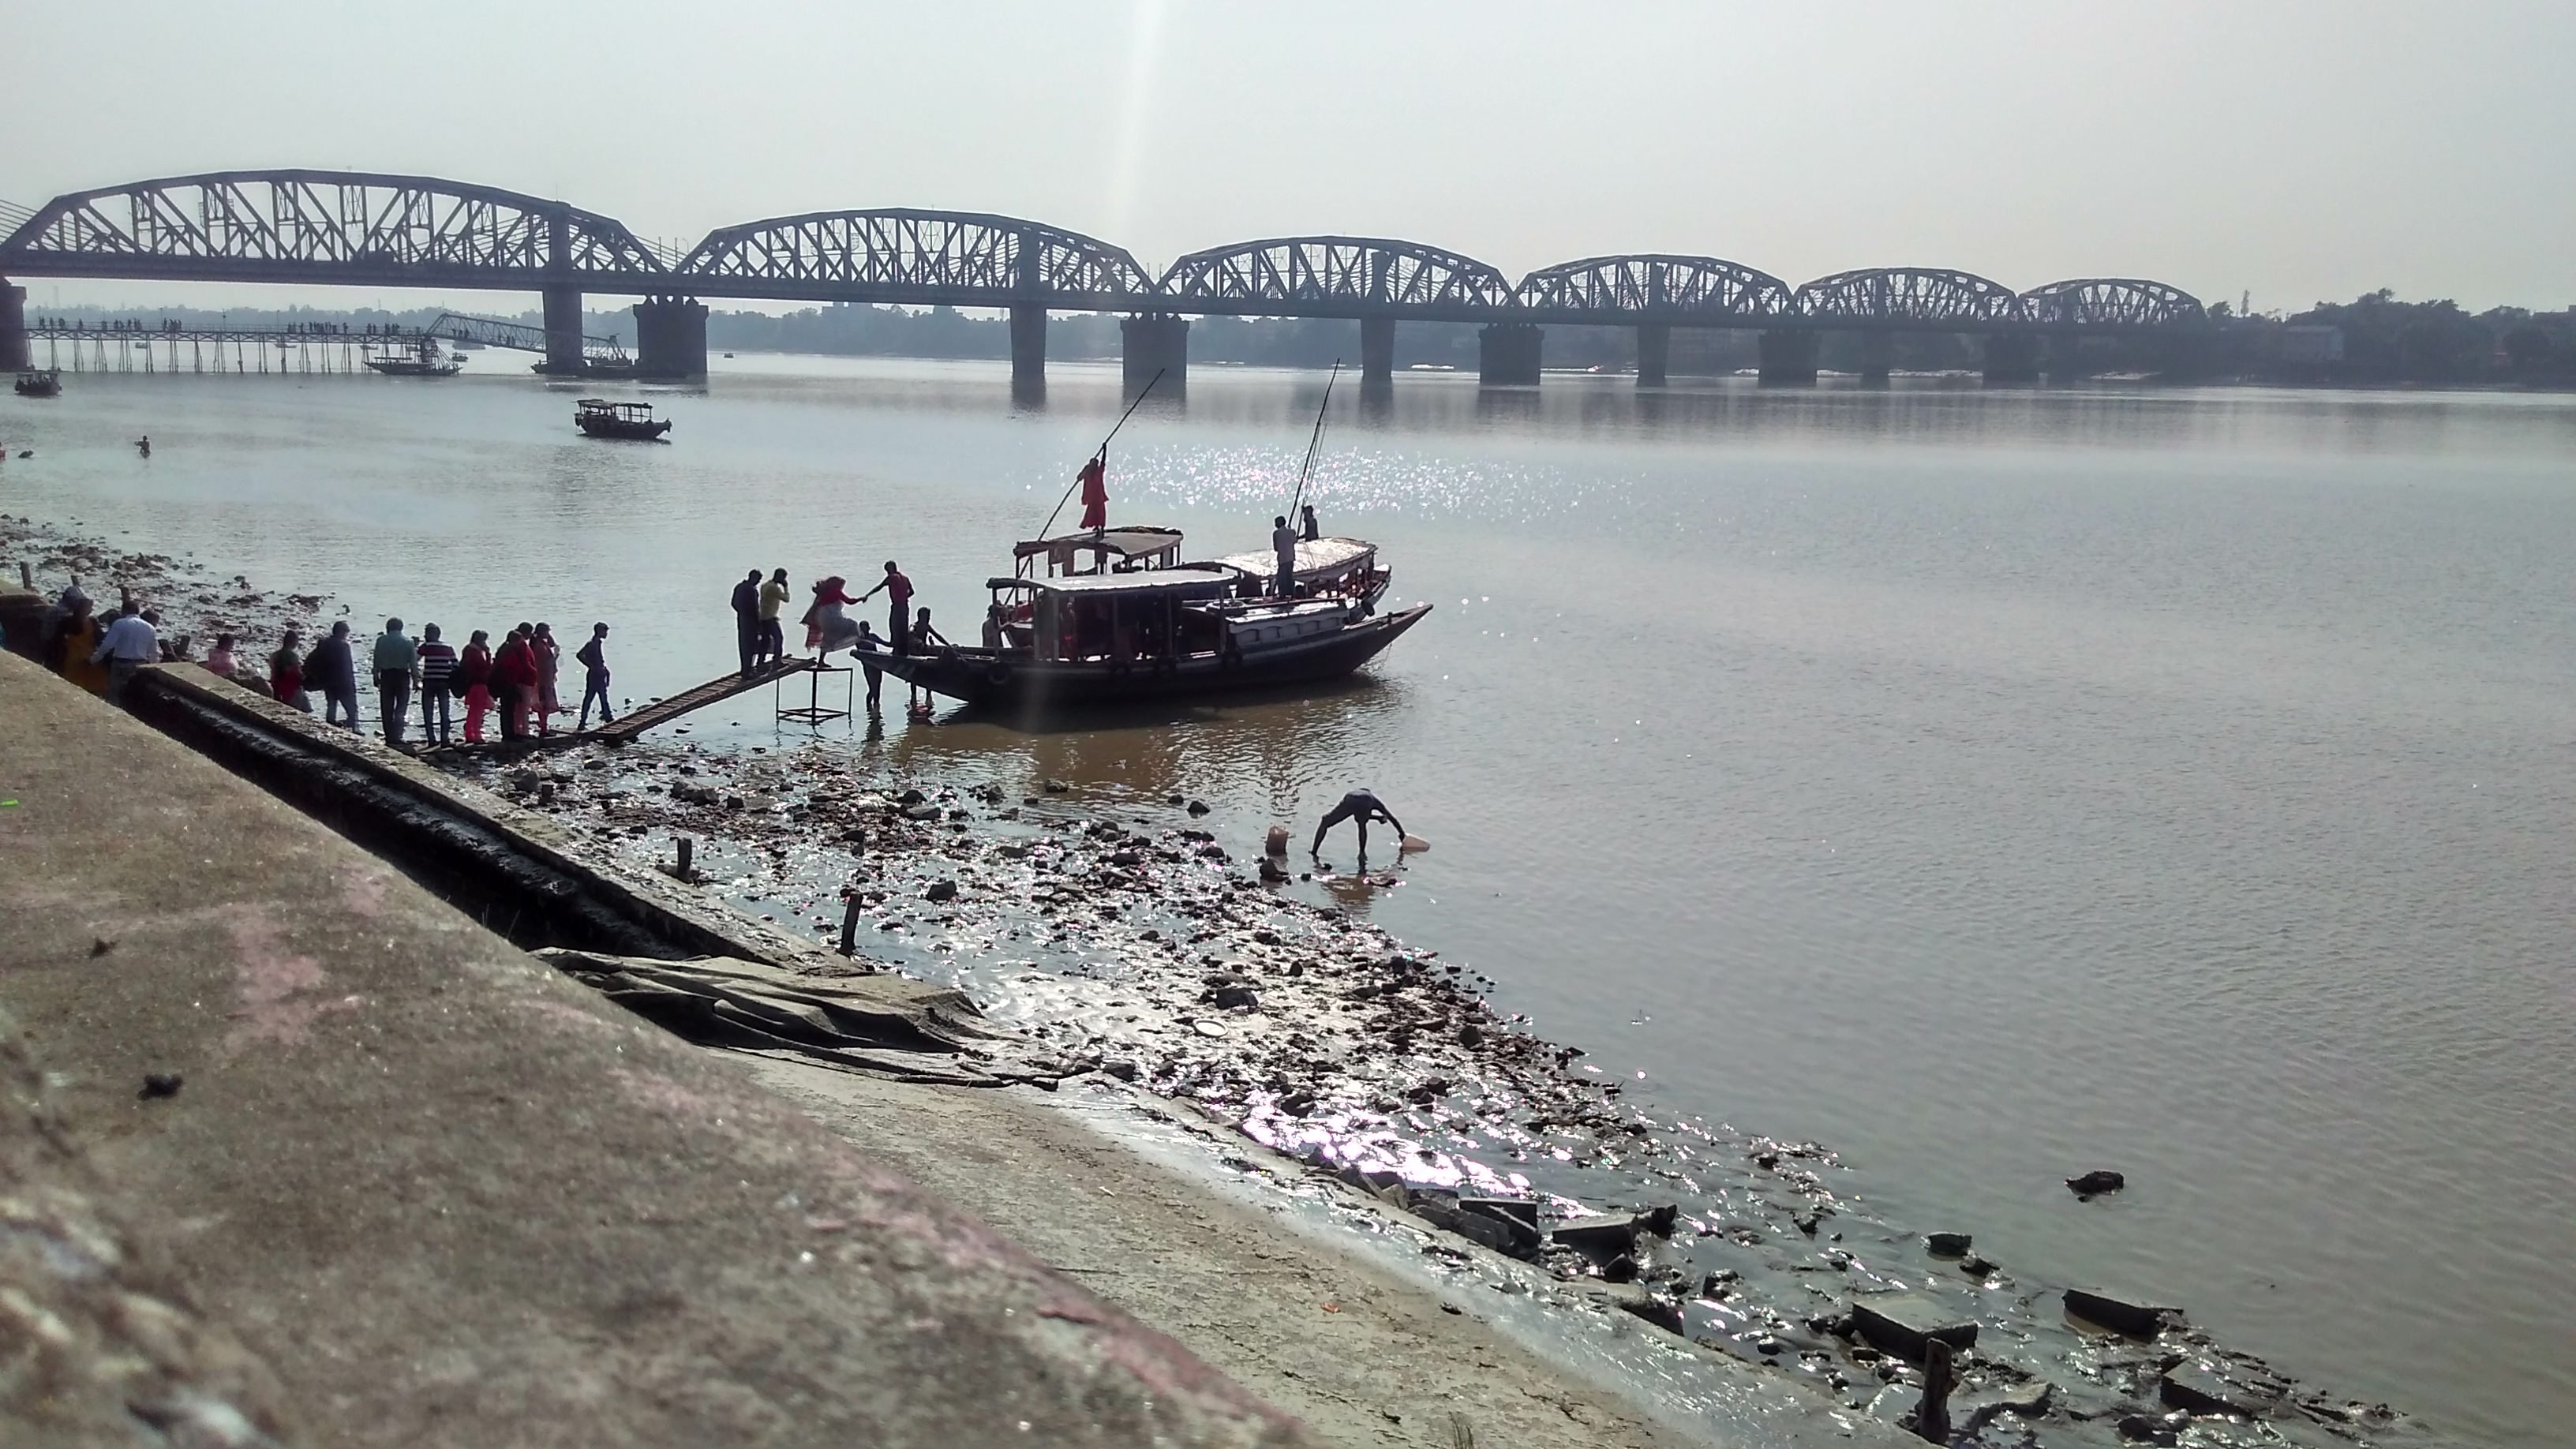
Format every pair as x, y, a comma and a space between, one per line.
1990, 784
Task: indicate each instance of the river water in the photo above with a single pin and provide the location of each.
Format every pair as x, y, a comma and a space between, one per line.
1988, 785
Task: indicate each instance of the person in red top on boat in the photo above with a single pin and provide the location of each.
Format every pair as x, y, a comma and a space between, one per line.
515, 669
1095, 492
898, 591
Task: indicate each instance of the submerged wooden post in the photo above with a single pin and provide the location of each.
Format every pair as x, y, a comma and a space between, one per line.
1932, 1415
850, 923
686, 846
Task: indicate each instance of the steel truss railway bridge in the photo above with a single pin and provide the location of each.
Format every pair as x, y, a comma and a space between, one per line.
362, 229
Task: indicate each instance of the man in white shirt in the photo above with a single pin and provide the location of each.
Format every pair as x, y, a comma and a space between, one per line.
131, 642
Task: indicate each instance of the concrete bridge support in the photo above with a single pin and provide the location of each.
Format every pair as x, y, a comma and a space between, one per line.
1654, 353
670, 338
13, 327
1507, 355
563, 331
1377, 352
1151, 343
2012, 358
1028, 347
1788, 357
1877, 356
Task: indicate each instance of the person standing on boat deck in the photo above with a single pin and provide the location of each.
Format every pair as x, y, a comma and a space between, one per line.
594, 679
437, 687
1360, 806
746, 621
1311, 530
1094, 478
993, 636
332, 669
1283, 539
773, 597
866, 649
898, 597
396, 658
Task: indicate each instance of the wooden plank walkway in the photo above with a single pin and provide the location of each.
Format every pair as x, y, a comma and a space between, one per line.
627, 726
662, 711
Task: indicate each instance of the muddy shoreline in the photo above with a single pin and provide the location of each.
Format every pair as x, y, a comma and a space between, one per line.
1132, 941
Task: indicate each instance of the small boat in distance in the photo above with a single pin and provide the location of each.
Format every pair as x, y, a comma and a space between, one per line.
40, 382
597, 417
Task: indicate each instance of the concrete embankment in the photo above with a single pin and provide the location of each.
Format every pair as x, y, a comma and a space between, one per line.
393, 1182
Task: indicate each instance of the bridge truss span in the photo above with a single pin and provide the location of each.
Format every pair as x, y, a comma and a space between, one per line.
1910, 299
2104, 303
328, 227
1655, 288
922, 258
1338, 276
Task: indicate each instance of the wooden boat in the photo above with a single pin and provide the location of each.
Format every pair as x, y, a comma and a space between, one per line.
40, 382
1140, 625
600, 418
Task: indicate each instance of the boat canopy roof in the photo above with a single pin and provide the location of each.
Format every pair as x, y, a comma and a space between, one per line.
1124, 544
603, 405
1187, 579
1317, 558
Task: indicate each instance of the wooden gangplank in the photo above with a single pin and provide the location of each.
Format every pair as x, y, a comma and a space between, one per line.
662, 711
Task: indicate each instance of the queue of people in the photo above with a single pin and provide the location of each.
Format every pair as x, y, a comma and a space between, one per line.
511, 689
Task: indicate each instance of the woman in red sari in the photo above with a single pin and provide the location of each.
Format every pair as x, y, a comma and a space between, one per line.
826, 627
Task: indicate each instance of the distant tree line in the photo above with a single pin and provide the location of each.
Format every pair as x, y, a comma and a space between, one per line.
2377, 340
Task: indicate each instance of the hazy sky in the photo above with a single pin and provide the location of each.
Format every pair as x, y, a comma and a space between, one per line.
2299, 151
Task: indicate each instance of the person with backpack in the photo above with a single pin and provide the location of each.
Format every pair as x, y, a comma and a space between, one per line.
594, 662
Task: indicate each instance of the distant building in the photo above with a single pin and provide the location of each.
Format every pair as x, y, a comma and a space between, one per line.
2312, 344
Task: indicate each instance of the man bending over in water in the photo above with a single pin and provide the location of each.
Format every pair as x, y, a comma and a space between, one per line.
1359, 806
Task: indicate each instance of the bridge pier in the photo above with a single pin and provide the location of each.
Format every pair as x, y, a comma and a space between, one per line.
2062, 358
563, 332
1507, 354
1788, 357
1377, 352
2012, 358
13, 327
1028, 347
1154, 342
1654, 353
1877, 356
670, 338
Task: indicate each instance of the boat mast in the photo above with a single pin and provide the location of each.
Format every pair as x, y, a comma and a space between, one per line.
1314, 444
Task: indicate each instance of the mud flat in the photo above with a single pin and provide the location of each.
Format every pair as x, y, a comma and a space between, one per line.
1350, 1069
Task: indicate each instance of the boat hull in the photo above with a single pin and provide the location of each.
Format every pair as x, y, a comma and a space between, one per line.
633, 432
1013, 686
